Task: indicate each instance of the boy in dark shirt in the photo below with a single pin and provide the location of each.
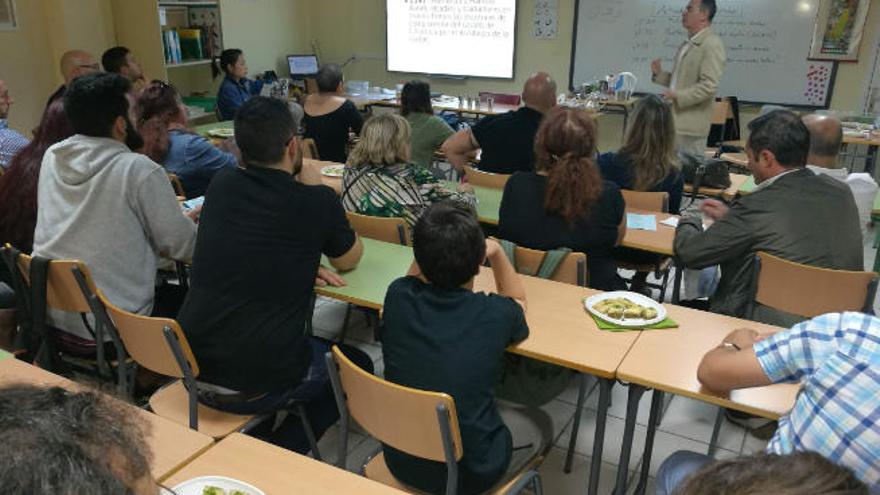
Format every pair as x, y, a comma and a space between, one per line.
441, 336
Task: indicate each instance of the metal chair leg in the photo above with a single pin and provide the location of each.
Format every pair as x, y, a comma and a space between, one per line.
307, 427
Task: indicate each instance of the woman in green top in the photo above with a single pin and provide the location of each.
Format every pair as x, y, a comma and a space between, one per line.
428, 130
380, 181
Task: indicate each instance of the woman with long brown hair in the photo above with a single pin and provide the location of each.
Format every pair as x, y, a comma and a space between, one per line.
647, 161
162, 121
565, 202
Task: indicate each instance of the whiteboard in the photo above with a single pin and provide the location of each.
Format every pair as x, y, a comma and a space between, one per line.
767, 43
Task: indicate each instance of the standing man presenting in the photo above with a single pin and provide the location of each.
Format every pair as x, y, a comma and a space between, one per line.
694, 79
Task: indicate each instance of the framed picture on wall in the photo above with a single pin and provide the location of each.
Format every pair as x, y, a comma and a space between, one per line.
840, 25
7, 15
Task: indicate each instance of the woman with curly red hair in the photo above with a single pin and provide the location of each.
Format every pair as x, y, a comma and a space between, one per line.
565, 202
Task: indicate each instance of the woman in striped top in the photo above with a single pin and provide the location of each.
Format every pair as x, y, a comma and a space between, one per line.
380, 181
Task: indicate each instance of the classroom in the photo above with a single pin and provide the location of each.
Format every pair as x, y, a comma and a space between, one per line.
439, 246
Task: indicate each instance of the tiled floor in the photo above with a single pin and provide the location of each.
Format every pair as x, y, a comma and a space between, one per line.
686, 423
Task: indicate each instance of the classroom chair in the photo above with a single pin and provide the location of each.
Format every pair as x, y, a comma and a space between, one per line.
159, 345
69, 286
654, 202
571, 269
309, 149
478, 178
386, 229
805, 291
420, 423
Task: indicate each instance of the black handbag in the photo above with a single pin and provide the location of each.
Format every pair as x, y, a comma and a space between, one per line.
700, 171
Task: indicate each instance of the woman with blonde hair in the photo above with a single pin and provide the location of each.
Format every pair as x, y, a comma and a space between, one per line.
565, 202
647, 160
380, 181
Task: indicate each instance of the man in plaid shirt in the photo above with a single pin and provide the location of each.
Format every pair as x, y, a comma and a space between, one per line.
836, 359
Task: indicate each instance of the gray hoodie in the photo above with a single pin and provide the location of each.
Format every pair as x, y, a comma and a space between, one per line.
114, 210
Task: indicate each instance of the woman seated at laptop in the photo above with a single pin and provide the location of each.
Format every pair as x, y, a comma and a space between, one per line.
236, 88
380, 181
329, 116
565, 203
167, 140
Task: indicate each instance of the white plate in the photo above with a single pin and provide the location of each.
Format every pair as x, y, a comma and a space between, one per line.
225, 132
333, 171
195, 486
633, 297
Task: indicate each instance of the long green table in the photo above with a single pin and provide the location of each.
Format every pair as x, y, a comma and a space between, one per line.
4, 355
381, 264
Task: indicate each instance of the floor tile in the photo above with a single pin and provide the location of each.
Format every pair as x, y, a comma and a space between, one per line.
358, 456
753, 445
570, 394
613, 438
329, 443
557, 482
665, 444
561, 414
619, 397
695, 420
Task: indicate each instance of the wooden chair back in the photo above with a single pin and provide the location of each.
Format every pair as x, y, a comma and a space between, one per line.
176, 184
501, 98
572, 270
402, 417
62, 290
146, 342
809, 291
387, 229
651, 201
485, 179
309, 149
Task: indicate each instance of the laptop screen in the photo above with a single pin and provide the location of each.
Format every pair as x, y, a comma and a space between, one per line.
302, 65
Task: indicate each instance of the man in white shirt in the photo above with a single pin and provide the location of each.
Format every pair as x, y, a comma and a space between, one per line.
826, 136
693, 81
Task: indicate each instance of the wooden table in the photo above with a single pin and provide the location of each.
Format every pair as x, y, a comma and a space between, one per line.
275, 470
172, 445
667, 361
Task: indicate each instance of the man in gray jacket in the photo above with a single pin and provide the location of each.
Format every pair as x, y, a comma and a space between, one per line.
792, 213
103, 204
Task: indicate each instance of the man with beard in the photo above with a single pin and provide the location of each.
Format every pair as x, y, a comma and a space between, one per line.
106, 205
258, 259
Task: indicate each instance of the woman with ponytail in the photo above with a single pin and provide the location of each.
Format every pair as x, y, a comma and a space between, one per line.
236, 88
161, 121
565, 202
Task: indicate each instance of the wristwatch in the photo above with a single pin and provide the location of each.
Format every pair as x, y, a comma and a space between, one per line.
727, 344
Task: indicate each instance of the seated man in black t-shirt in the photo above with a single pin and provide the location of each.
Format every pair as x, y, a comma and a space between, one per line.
255, 266
506, 140
441, 336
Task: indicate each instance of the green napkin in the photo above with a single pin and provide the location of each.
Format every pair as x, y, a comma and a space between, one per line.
612, 327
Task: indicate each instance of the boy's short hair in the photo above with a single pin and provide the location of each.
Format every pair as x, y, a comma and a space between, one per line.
448, 244
93, 102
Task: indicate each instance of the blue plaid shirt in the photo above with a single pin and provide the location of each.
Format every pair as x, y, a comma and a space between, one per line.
11, 142
836, 359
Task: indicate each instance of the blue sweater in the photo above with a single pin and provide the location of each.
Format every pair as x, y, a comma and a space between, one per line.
195, 161
233, 94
